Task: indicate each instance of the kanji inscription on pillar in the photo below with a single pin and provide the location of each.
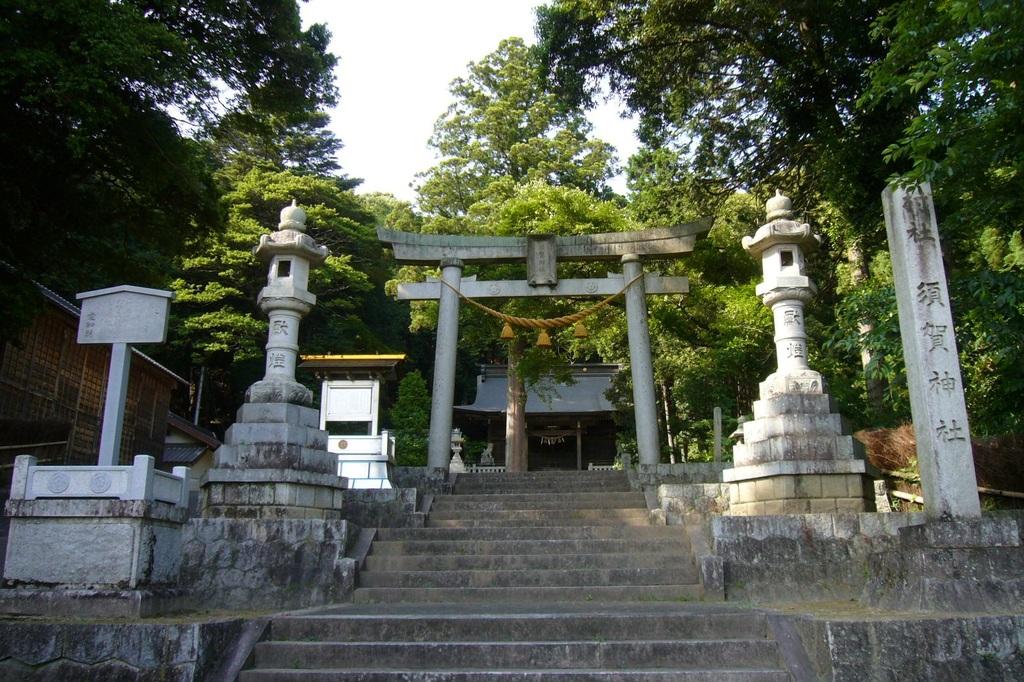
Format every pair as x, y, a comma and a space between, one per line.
929, 349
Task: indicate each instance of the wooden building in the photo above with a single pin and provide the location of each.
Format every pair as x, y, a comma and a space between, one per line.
52, 391
569, 426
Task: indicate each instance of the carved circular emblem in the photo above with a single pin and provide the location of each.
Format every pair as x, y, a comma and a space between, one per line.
58, 482
494, 289
342, 444
100, 483
591, 287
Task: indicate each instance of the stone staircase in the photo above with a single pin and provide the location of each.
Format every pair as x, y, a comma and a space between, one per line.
530, 576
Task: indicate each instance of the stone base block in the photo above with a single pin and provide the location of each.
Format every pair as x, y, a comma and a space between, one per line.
683, 472
271, 494
797, 446
271, 501
278, 413
792, 382
795, 403
813, 493
693, 498
282, 455
965, 565
93, 544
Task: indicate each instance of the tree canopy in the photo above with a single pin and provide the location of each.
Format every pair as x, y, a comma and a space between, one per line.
831, 101
502, 130
746, 92
103, 174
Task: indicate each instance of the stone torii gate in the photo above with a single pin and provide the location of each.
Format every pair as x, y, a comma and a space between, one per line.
542, 253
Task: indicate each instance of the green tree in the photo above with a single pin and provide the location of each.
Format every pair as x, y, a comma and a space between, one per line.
502, 130
746, 96
745, 91
514, 161
410, 418
216, 319
299, 141
101, 184
957, 68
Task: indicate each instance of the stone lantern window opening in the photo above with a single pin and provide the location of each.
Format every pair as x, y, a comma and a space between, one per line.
284, 268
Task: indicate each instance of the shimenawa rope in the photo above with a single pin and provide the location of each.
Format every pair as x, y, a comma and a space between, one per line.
548, 323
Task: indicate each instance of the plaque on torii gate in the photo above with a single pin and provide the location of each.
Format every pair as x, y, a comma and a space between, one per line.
542, 253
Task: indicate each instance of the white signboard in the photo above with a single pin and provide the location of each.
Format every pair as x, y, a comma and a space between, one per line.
124, 314
351, 400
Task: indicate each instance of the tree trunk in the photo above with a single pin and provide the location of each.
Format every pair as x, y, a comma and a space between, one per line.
515, 411
859, 272
668, 424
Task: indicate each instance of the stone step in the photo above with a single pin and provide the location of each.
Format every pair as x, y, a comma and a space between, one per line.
538, 560
540, 487
536, 533
559, 577
549, 475
595, 500
619, 514
529, 490
541, 482
529, 655
606, 624
539, 517
555, 547
533, 675
509, 595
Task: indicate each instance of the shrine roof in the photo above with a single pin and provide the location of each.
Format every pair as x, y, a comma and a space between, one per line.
342, 364
585, 396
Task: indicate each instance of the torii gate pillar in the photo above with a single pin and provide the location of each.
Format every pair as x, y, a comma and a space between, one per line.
439, 445
641, 367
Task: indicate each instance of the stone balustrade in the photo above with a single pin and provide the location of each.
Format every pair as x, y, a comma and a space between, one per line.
485, 469
140, 481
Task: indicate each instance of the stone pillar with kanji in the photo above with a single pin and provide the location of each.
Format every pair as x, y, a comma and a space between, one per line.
796, 456
274, 462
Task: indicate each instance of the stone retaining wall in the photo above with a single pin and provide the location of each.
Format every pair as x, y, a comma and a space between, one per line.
267, 564
967, 565
883, 649
424, 479
802, 557
112, 652
678, 500
385, 508
684, 472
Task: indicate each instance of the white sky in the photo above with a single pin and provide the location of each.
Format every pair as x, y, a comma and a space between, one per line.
396, 59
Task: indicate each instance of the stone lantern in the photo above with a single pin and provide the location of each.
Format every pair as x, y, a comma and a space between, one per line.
795, 456
781, 245
285, 300
274, 462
